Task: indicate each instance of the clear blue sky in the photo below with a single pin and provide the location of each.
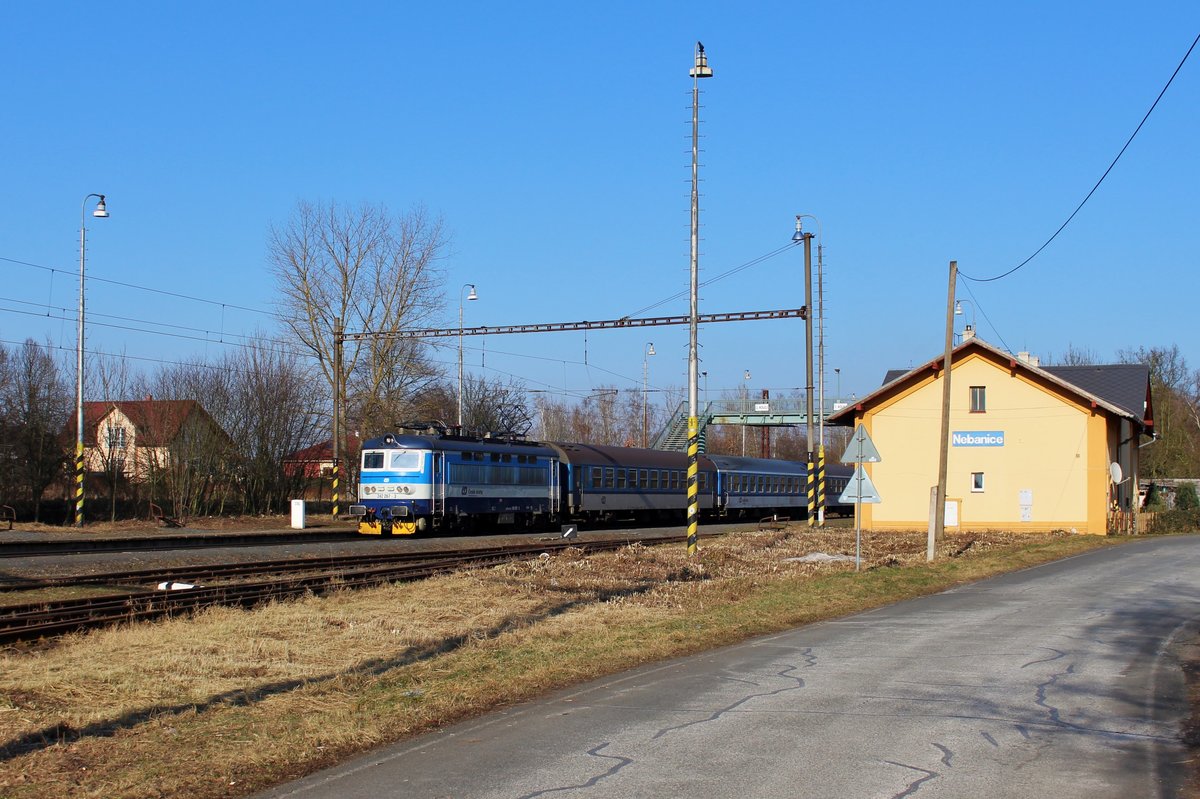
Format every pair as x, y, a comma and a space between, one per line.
554, 139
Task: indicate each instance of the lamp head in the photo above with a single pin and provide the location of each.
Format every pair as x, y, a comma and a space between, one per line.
958, 308
650, 349
472, 295
747, 375
701, 70
798, 236
101, 211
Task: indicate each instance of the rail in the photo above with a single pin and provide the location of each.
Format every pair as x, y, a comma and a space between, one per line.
50, 619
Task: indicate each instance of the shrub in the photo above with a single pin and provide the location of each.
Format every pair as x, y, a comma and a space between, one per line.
1185, 497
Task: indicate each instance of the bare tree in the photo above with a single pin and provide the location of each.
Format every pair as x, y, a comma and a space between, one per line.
36, 406
357, 270
1173, 386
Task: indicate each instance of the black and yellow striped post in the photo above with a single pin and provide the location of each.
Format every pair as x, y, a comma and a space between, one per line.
811, 483
821, 486
337, 473
693, 483
78, 484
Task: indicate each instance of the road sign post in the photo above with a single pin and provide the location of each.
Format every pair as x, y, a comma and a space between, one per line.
860, 450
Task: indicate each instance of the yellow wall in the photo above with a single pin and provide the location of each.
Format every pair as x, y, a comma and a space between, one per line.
1054, 447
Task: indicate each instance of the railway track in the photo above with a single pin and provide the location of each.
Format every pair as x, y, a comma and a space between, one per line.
233, 584
25, 549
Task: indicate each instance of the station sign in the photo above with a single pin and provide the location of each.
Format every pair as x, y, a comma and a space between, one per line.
977, 438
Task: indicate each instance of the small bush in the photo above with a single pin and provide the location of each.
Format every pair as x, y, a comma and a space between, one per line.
1185, 497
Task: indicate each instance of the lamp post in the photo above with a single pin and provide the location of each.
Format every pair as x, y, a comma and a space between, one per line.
745, 407
700, 69
100, 212
647, 351
968, 332
471, 296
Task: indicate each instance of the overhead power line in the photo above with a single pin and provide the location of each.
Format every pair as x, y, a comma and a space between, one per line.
1079, 207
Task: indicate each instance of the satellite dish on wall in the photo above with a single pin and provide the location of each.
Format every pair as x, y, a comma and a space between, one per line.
1114, 471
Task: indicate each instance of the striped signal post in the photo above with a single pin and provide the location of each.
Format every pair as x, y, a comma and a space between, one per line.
693, 483
337, 479
821, 486
812, 491
78, 484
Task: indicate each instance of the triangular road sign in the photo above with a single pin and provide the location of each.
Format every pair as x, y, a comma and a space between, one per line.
860, 489
860, 448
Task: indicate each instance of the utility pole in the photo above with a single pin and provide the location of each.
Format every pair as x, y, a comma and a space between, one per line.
698, 71
801, 236
339, 341
938, 528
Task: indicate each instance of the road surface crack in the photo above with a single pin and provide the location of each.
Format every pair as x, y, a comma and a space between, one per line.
621, 763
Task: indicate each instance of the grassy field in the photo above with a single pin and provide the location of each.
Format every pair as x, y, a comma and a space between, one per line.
232, 701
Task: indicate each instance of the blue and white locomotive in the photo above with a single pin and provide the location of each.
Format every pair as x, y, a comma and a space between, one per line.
416, 483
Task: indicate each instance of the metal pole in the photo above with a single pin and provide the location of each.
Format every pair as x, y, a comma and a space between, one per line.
808, 378
939, 512
100, 212
460, 348
339, 340
698, 71
821, 380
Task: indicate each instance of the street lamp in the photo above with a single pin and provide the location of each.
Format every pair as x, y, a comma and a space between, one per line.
471, 296
646, 353
745, 408
100, 212
969, 331
837, 371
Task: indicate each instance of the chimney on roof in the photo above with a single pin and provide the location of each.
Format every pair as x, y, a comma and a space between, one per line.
149, 398
1032, 360
968, 333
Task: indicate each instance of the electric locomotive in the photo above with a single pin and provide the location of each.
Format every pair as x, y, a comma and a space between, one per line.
410, 484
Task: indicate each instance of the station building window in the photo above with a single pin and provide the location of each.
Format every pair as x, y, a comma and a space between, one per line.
978, 399
977, 482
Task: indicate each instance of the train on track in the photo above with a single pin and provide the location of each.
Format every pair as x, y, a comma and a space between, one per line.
412, 483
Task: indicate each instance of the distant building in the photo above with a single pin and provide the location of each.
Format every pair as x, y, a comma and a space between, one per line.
317, 460
1031, 448
135, 437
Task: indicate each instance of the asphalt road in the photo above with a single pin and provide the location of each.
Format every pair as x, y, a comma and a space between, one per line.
1055, 681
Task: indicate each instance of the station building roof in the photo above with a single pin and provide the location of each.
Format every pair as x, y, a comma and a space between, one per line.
1122, 389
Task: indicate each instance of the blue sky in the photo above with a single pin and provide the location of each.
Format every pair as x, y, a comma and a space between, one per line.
554, 140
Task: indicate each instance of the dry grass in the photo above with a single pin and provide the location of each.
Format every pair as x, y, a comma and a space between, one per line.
231, 701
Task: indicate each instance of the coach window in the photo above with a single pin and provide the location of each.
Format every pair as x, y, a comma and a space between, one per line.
608, 477
654, 479
977, 482
978, 399
597, 476
621, 478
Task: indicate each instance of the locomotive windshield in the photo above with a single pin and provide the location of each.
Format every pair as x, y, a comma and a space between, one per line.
397, 460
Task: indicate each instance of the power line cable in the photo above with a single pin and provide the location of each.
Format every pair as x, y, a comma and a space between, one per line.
51, 269
1098, 182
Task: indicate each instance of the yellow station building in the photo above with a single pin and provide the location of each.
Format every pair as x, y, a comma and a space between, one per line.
1031, 448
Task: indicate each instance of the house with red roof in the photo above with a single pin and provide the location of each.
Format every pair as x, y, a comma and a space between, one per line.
136, 437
